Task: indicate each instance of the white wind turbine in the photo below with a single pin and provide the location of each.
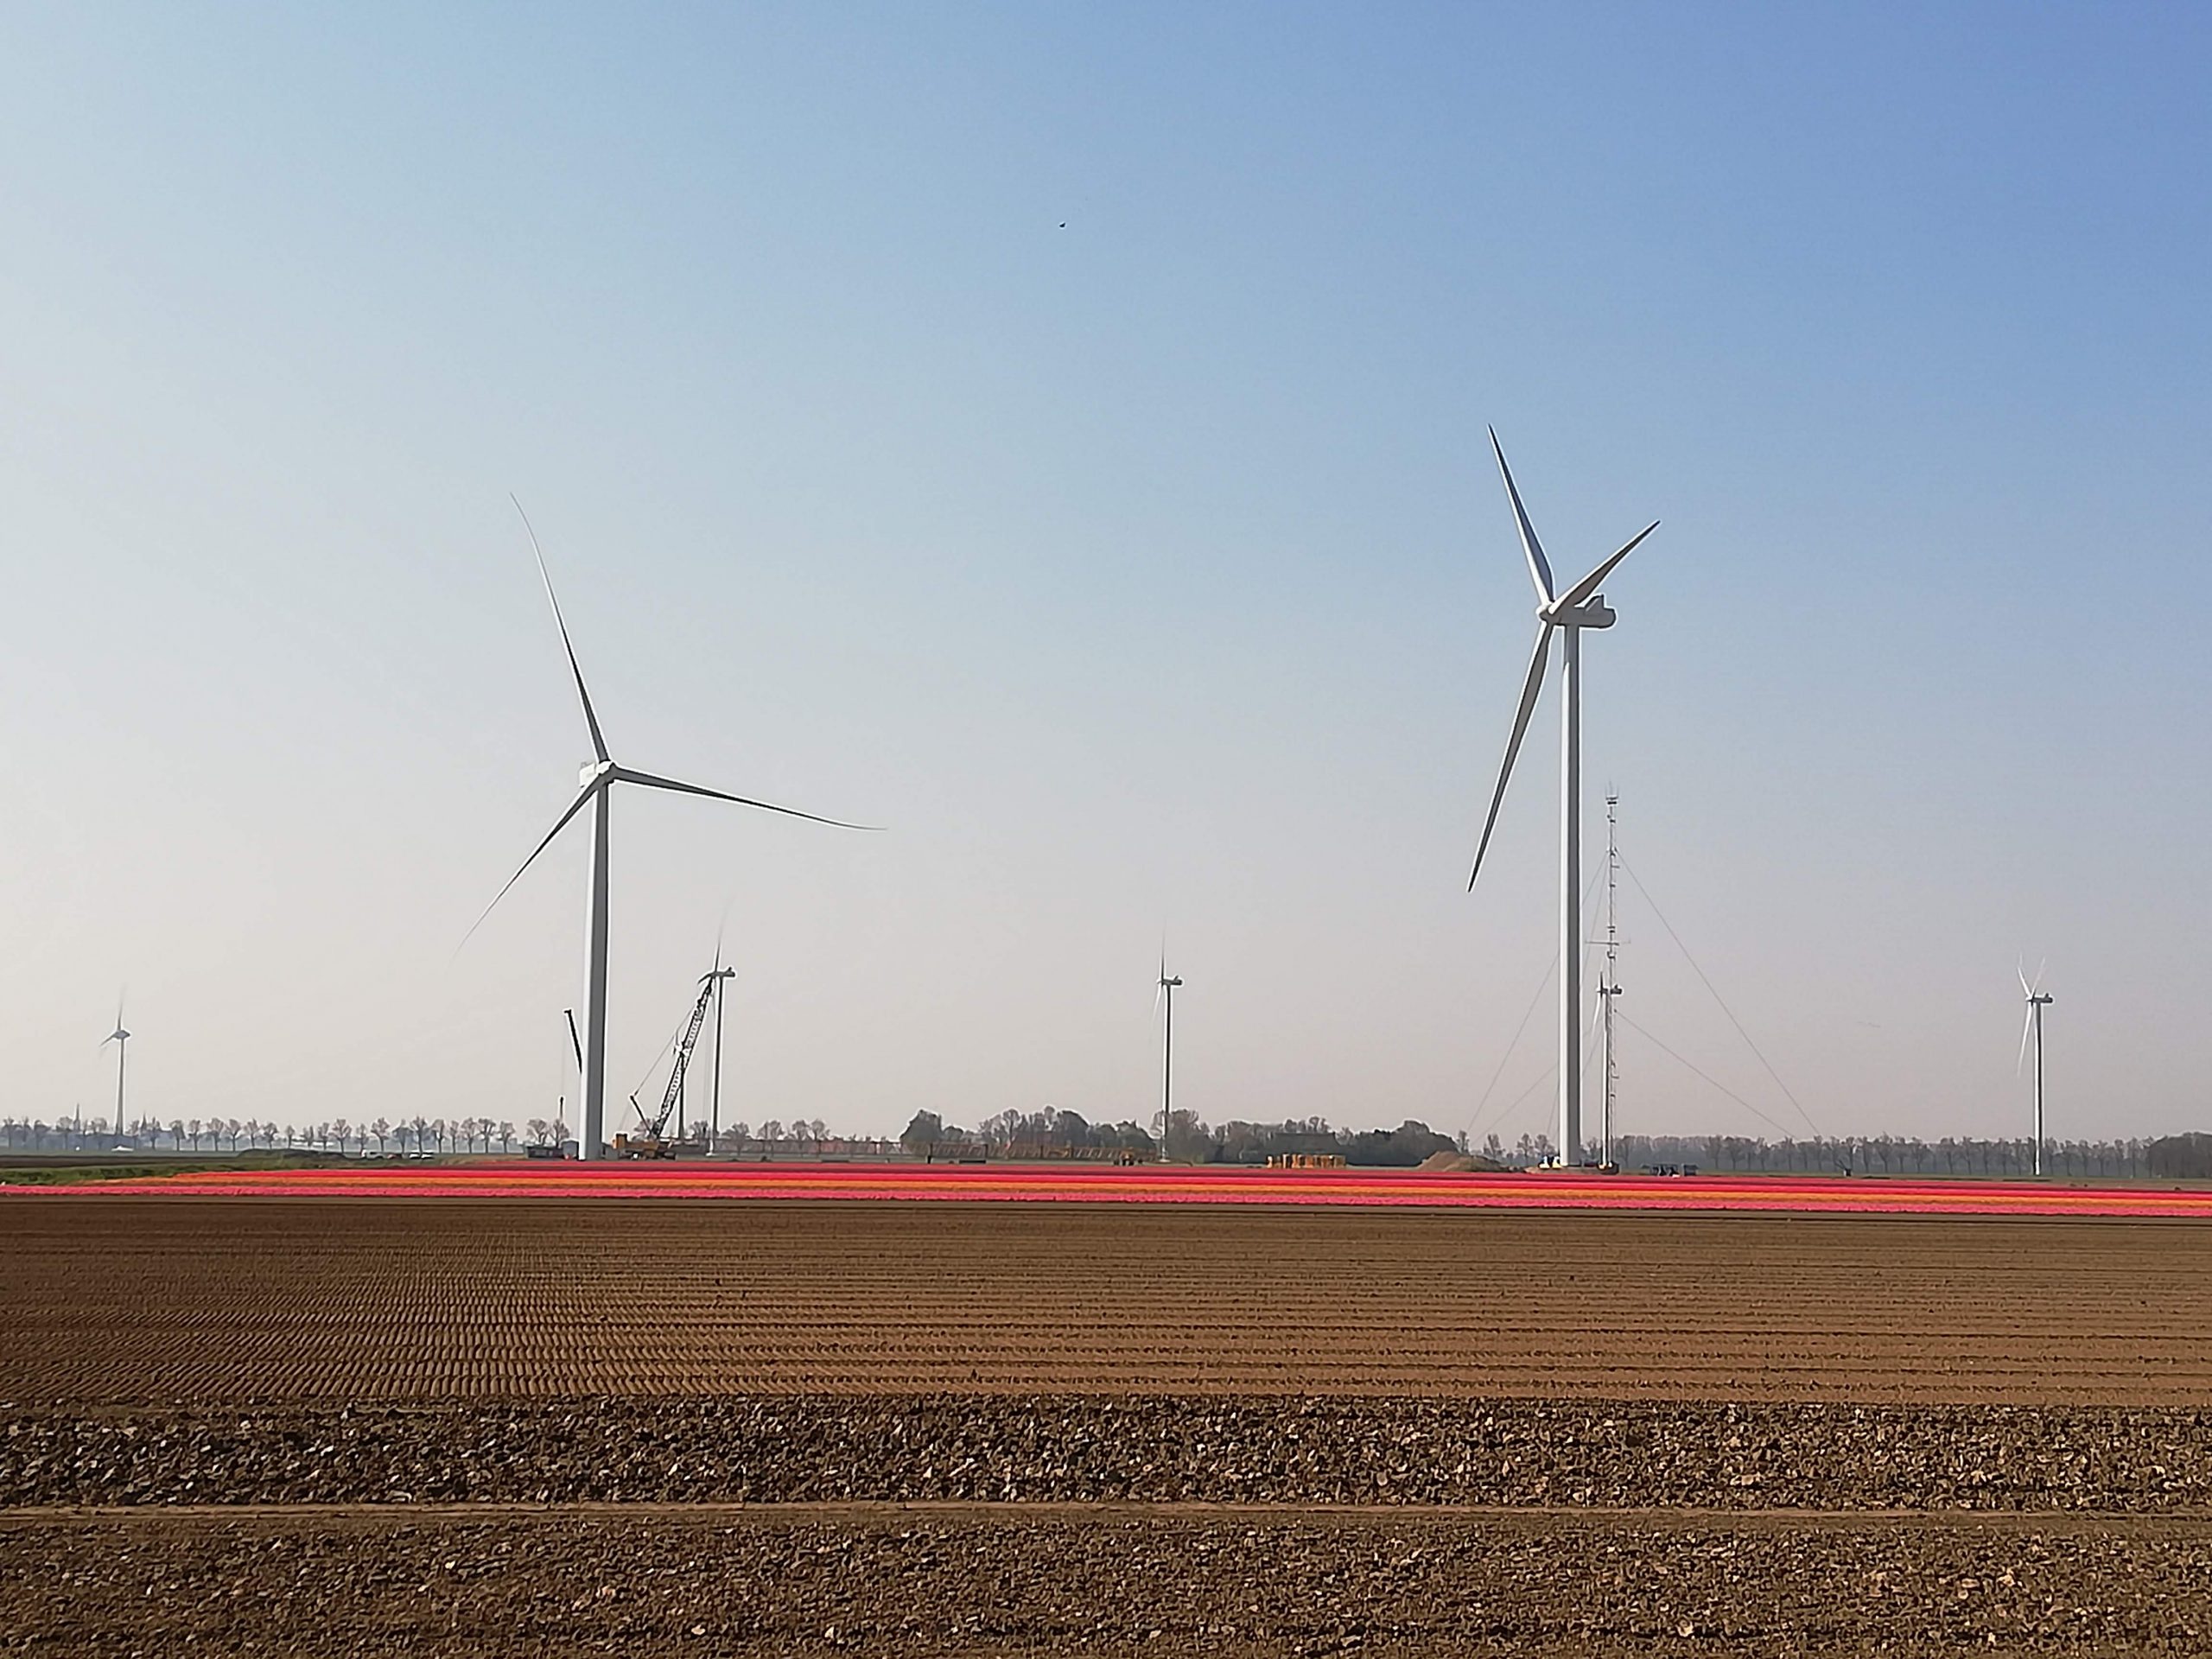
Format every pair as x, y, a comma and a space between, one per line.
719, 980
1567, 614
1165, 997
121, 1038
2039, 1000
595, 789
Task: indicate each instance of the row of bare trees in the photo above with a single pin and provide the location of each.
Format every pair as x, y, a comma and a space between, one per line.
1054, 1133
419, 1135
1886, 1154
384, 1138
800, 1138
773, 1133
735, 1140
1050, 1132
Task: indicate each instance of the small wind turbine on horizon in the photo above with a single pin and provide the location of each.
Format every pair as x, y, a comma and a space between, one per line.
1567, 614
121, 1038
720, 979
1166, 994
2039, 1000
595, 789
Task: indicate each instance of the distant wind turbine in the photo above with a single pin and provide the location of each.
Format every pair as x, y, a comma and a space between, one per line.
2039, 1000
121, 1038
719, 980
596, 788
1166, 994
1568, 613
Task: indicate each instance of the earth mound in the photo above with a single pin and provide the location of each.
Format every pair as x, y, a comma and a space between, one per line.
1460, 1163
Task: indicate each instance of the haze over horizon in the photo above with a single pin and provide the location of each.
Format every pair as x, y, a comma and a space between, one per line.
1057, 435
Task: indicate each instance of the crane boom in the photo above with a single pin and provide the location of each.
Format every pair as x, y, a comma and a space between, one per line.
683, 1060
648, 1143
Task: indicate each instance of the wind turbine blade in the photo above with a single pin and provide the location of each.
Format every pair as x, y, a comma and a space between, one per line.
623, 774
1589, 584
1540, 569
559, 824
1530, 689
2021, 968
2026, 1026
719, 926
2040, 966
598, 742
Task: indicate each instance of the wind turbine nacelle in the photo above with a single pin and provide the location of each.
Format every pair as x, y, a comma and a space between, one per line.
591, 771
1592, 613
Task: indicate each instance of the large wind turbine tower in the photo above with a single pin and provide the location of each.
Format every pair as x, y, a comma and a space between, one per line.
596, 790
1567, 614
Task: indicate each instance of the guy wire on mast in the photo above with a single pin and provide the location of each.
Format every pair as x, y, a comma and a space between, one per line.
1609, 984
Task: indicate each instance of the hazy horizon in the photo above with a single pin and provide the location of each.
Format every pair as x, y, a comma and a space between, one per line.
1058, 436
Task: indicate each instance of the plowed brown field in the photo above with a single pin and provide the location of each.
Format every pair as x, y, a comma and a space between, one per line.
513, 1428
128, 1299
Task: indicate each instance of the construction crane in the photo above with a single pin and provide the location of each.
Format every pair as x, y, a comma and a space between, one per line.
649, 1143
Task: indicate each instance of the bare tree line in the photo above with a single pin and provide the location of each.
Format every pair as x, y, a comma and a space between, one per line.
1055, 1134
409, 1137
420, 1135
1951, 1157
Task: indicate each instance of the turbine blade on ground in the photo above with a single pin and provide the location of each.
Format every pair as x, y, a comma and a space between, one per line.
623, 774
559, 824
1589, 584
1540, 569
1529, 691
591, 719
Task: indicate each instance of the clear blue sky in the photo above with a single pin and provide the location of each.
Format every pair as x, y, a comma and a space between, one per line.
1057, 433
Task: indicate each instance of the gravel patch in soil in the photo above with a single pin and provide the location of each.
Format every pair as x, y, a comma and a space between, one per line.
992, 1448
1297, 1586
